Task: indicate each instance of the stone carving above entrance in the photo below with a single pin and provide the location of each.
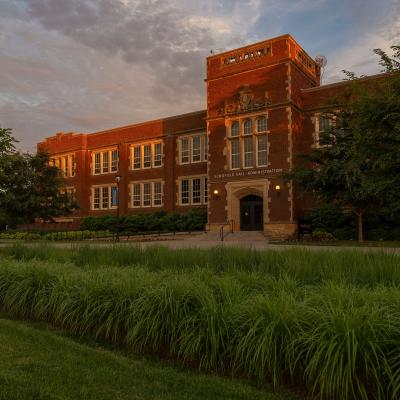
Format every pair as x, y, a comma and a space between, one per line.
244, 101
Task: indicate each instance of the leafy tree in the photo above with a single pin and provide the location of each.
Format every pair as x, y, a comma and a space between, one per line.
29, 186
357, 165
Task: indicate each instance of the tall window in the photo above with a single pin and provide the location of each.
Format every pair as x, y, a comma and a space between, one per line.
73, 165
262, 151
193, 149
196, 149
146, 155
185, 150
147, 194
248, 152
325, 124
104, 197
247, 148
114, 161
157, 154
193, 191
235, 153
97, 163
185, 194
105, 161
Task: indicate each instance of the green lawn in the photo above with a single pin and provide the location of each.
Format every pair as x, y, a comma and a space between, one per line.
37, 363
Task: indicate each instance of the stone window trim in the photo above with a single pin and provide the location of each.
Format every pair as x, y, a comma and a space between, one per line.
66, 163
192, 156
203, 196
108, 161
101, 201
153, 160
154, 196
240, 122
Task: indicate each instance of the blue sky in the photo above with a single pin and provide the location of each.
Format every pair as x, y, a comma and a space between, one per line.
87, 65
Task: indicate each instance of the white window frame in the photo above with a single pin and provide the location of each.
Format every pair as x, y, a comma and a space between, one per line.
109, 162
189, 153
101, 197
317, 117
203, 190
258, 137
141, 185
140, 147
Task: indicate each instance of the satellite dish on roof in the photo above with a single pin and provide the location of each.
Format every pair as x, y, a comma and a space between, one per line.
321, 61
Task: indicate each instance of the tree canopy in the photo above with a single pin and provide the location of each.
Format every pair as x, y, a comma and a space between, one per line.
356, 164
29, 186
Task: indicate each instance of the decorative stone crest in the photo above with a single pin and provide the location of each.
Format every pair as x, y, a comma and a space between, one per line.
244, 101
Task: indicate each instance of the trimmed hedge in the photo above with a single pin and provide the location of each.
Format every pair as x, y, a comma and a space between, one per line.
193, 220
72, 235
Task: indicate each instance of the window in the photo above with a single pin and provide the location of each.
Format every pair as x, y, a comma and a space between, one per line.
261, 151
324, 127
247, 127
196, 149
147, 155
247, 148
157, 155
248, 152
235, 131
235, 153
324, 123
193, 190
96, 198
73, 165
185, 151
97, 163
114, 161
102, 164
261, 125
136, 195
114, 196
66, 166
193, 149
196, 191
105, 162
137, 160
185, 199
104, 197
157, 194
147, 194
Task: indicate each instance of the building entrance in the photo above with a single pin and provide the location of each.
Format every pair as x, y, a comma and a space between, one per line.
251, 213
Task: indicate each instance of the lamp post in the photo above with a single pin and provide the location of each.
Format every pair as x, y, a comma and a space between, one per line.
117, 180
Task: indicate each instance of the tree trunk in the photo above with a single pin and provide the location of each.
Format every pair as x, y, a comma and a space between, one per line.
360, 227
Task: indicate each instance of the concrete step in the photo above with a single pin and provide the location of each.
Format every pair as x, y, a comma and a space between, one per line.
242, 236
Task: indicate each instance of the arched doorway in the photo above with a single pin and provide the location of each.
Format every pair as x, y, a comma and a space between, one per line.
251, 213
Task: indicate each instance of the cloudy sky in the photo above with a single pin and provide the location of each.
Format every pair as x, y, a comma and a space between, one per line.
87, 65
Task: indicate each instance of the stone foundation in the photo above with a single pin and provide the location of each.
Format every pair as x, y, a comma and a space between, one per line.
279, 231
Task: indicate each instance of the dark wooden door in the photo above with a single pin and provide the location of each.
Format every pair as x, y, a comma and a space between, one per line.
251, 213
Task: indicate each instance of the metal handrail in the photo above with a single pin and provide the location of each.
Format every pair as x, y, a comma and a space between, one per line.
221, 230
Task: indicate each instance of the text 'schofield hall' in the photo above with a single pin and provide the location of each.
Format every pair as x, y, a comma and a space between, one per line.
263, 105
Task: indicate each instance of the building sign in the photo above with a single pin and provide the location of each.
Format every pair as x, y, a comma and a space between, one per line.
244, 173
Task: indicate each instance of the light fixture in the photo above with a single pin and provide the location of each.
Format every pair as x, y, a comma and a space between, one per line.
278, 188
216, 192
117, 179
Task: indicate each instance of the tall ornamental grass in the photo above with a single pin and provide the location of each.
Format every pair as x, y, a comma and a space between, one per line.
335, 334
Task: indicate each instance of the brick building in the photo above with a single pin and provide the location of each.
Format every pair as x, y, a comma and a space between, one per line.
263, 105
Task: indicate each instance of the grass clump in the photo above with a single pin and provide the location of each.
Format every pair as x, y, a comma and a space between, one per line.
328, 322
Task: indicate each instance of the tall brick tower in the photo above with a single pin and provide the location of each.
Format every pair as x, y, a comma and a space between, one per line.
254, 126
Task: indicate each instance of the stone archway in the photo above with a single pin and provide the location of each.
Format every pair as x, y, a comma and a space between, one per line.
241, 189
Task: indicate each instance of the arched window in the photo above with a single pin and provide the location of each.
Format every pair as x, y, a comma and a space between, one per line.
247, 127
235, 128
261, 124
